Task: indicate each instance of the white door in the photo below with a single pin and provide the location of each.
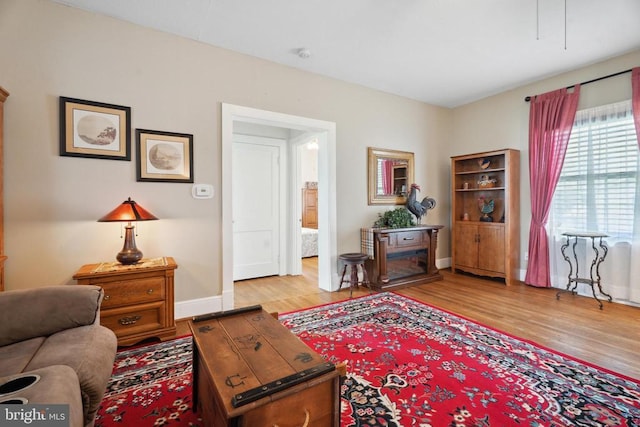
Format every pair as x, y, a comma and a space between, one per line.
256, 208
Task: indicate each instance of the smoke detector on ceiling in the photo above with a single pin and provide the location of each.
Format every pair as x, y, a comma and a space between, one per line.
304, 53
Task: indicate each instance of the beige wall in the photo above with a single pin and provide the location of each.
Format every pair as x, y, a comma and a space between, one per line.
502, 121
178, 85
172, 84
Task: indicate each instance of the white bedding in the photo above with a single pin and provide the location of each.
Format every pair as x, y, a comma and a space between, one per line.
309, 242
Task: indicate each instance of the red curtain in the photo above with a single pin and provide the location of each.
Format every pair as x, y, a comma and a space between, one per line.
550, 121
635, 99
387, 176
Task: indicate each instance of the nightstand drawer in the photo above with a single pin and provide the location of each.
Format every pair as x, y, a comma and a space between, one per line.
128, 292
134, 320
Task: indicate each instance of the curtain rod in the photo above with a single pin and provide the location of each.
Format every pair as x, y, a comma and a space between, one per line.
528, 98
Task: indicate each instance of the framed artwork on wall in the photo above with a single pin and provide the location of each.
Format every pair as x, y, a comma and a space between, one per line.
94, 129
164, 156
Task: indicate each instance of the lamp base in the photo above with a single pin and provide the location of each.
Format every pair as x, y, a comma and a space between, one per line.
129, 254
129, 257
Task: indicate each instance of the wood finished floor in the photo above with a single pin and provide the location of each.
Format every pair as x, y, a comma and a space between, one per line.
572, 324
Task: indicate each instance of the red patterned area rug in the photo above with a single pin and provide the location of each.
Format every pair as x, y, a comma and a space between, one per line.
150, 386
409, 364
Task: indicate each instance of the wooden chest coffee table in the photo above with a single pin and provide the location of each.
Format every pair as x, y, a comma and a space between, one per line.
251, 371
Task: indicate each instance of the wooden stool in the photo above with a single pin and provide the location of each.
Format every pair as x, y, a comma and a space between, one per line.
353, 260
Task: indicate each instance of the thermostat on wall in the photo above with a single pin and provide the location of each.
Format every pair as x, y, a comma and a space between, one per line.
202, 191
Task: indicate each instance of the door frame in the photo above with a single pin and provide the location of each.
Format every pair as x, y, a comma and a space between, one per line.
327, 240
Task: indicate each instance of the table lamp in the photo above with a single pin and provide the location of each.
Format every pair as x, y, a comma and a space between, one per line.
128, 211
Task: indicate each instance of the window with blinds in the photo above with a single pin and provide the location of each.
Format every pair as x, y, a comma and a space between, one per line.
597, 186
379, 178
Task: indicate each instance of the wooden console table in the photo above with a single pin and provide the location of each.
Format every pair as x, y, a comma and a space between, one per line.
403, 257
3, 97
138, 299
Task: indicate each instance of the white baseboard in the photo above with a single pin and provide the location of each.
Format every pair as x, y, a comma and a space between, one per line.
195, 307
443, 263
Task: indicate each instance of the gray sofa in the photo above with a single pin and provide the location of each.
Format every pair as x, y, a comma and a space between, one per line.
55, 334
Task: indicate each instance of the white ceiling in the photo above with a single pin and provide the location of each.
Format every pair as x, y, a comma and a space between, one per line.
443, 52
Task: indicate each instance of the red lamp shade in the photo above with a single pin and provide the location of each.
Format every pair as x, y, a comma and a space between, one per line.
128, 211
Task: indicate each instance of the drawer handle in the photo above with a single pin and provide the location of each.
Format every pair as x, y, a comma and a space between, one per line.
408, 238
129, 320
107, 298
306, 421
150, 291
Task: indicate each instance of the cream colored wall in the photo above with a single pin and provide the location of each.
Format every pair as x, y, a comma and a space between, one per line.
172, 84
309, 164
502, 121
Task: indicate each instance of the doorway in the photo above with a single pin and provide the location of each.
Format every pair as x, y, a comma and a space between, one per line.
325, 132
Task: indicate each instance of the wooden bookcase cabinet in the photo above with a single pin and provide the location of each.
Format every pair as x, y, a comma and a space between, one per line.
400, 184
310, 207
486, 248
3, 97
138, 302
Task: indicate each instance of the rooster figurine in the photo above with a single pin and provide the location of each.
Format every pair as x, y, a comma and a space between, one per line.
486, 207
419, 208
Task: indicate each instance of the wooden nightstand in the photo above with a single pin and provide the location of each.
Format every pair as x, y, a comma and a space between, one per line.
138, 299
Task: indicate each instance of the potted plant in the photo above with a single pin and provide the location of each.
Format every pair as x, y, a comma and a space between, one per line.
397, 218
